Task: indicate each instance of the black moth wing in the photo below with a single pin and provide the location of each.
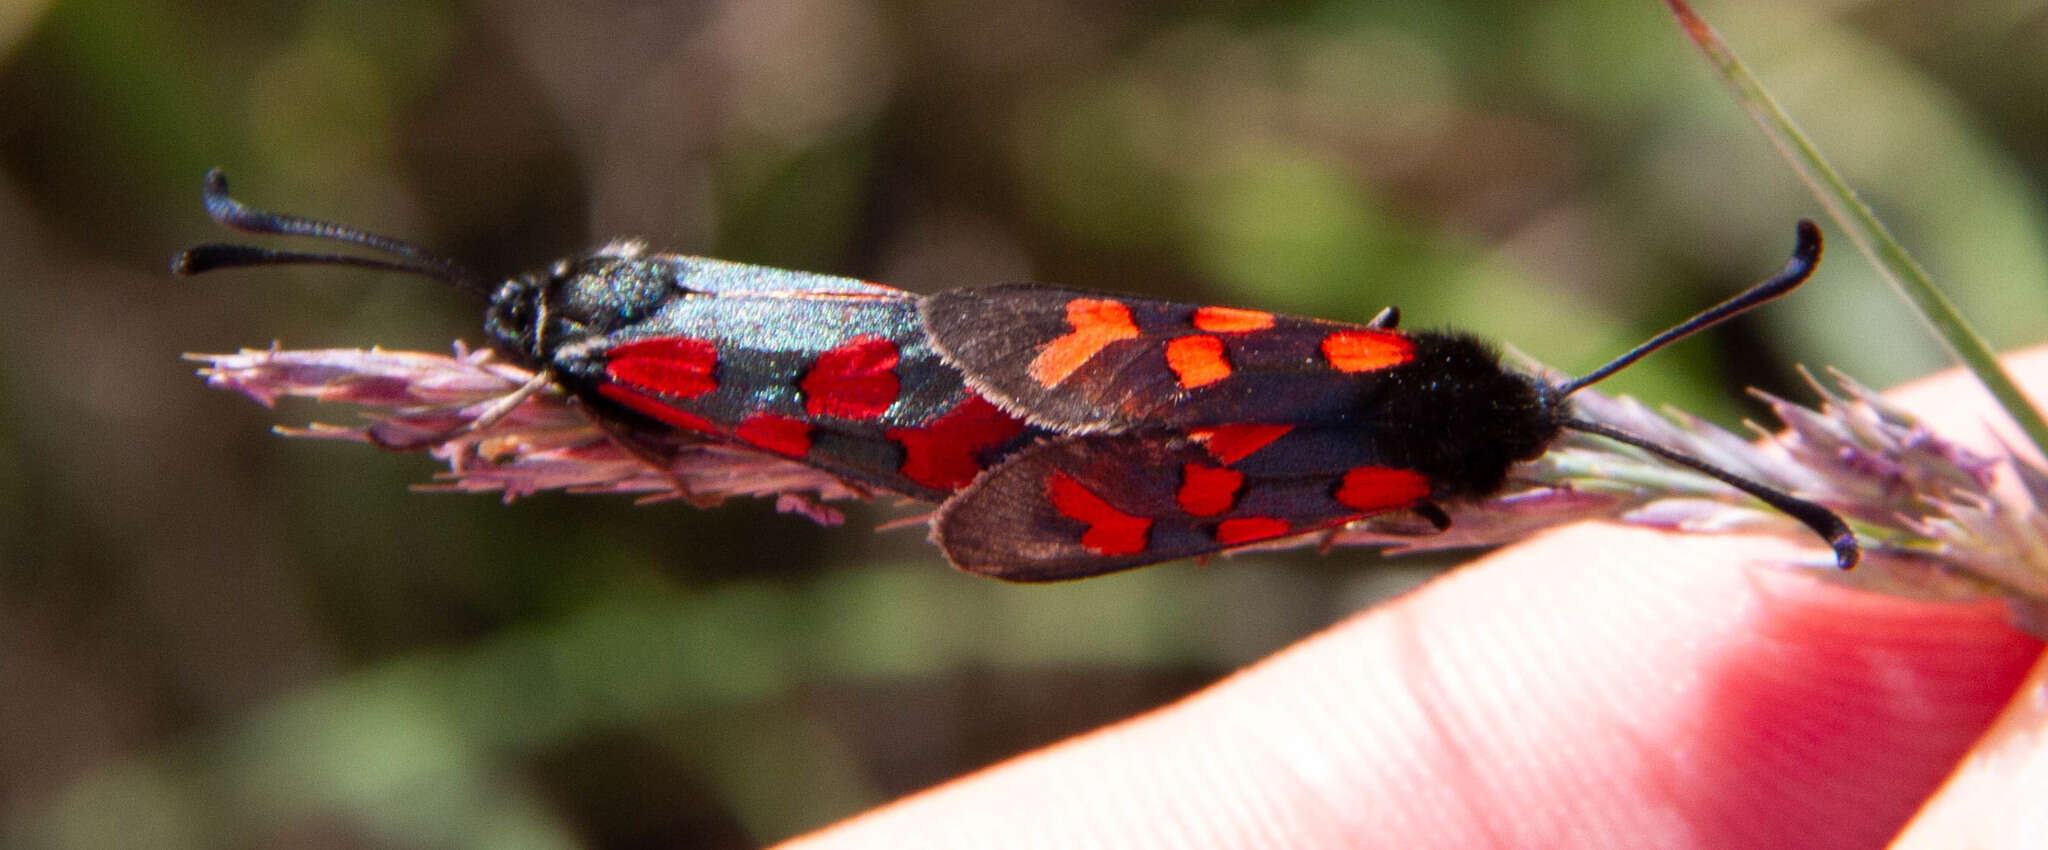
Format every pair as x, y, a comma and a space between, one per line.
1020, 346
1070, 507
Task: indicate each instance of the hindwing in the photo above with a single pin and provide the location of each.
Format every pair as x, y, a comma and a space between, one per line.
1070, 507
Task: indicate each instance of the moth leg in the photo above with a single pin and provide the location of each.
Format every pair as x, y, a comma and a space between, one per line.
657, 456
1434, 514
1387, 319
499, 409
900, 523
1329, 539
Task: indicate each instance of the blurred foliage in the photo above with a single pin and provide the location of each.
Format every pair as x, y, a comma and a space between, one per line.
210, 637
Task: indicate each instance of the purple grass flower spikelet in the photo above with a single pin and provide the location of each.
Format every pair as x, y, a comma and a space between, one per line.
1937, 520
546, 443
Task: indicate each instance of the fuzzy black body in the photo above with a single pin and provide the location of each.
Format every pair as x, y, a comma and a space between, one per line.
1456, 415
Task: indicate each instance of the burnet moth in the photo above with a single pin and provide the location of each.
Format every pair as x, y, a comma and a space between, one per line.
1062, 433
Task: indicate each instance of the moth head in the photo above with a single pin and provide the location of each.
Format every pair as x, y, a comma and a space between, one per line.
1465, 419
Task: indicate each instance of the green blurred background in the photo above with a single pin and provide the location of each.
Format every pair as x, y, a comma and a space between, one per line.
210, 636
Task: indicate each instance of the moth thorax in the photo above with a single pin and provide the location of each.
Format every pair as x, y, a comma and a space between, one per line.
605, 293
1464, 418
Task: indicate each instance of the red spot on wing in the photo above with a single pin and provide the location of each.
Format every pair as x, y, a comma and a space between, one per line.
1096, 323
1378, 488
679, 367
1110, 531
856, 380
944, 454
1231, 320
1366, 350
1229, 444
1250, 528
1197, 360
779, 434
657, 409
1207, 490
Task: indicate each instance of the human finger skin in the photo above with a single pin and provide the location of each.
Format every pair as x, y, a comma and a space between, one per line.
1597, 686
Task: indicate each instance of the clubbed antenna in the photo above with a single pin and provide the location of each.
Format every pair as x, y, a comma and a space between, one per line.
224, 209
1805, 255
1824, 522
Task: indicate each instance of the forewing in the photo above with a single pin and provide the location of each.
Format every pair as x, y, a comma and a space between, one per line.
1084, 362
1077, 506
822, 371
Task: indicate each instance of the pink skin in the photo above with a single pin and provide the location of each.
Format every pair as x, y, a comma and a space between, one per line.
1594, 686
